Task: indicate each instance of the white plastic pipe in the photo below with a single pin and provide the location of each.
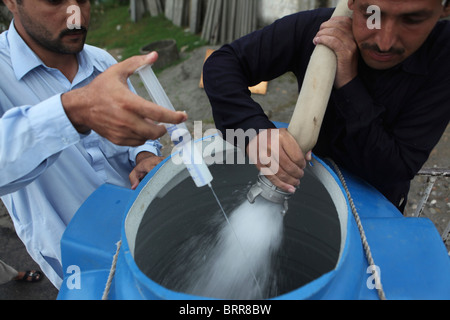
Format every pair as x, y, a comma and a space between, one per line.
315, 92
179, 134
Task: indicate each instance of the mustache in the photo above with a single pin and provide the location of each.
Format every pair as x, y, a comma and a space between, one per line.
374, 47
66, 32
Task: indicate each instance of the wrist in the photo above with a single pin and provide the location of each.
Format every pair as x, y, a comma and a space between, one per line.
340, 84
144, 155
346, 72
344, 80
71, 102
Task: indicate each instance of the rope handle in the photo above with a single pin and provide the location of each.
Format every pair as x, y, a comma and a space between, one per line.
367, 251
112, 272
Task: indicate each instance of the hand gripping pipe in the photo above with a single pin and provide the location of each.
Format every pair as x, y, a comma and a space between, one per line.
179, 134
310, 110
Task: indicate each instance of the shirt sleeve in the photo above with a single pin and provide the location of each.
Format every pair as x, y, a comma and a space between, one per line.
152, 146
31, 139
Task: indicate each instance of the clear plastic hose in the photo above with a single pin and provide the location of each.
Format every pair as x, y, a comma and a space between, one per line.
179, 134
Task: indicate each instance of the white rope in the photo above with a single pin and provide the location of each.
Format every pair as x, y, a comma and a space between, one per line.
112, 272
365, 243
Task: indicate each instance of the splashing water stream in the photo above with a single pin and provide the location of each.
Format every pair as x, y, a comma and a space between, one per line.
240, 265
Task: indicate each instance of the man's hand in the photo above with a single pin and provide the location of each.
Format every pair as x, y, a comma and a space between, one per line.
145, 162
337, 35
108, 107
285, 155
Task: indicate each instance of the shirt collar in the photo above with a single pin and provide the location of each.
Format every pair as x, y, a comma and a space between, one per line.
24, 59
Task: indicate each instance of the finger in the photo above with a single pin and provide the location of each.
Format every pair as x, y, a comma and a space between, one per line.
333, 32
137, 175
340, 29
291, 156
149, 130
332, 42
129, 140
129, 66
134, 180
336, 22
135, 119
285, 173
292, 150
149, 110
128, 128
276, 181
132, 133
142, 169
293, 172
143, 127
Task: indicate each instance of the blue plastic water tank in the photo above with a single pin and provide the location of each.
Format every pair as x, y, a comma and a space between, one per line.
413, 261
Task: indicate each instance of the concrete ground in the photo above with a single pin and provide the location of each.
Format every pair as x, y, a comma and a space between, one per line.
181, 83
13, 252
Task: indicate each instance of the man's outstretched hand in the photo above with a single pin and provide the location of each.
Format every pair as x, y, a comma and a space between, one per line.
112, 110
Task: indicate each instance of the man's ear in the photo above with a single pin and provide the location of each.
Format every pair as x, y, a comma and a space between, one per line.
11, 5
351, 4
446, 11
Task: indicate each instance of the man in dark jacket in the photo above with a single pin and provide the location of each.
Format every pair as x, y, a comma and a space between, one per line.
390, 102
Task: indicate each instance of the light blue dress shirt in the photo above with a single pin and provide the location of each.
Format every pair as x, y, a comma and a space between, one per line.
47, 169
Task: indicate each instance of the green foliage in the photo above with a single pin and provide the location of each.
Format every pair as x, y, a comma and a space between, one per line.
112, 28
5, 17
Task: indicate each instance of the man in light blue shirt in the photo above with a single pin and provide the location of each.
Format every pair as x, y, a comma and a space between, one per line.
61, 103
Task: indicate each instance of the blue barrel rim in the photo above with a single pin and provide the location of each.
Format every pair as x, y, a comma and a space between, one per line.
303, 292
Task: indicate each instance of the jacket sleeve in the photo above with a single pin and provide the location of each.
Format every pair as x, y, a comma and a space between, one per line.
259, 56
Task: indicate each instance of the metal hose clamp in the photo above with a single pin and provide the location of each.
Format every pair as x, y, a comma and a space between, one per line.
264, 188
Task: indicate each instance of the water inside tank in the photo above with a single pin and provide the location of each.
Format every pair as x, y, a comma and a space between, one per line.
179, 224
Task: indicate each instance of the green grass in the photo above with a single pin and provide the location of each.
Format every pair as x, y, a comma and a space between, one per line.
112, 28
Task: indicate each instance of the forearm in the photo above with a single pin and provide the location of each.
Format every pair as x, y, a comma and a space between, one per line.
227, 88
32, 137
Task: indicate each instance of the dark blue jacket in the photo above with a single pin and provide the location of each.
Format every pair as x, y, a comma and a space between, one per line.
382, 126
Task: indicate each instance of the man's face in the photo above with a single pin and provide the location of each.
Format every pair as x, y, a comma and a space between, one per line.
45, 24
405, 25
